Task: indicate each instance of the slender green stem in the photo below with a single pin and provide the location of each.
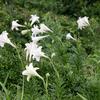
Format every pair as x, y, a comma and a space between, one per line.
90, 28
58, 79
82, 97
5, 90
23, 76
60, 41
54, 68
19, 57
46, 87
22, 89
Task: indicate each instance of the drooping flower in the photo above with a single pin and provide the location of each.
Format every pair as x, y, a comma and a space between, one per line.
38, 54
44, 28
36, 39
33, 51
31, 71
33, 19
4, 39
35, 30
15, 25
29, 50
68, 36
82, 22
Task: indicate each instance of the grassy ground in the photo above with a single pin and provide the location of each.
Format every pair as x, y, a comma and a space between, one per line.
77, 63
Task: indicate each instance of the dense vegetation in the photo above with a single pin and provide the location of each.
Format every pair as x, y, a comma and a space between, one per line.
77, 62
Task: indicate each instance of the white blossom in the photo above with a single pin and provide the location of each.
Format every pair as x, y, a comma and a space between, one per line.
15, 25
33, 51
38, 54
33, 19
68, 36
44, 28
31, 71
36, 39
82, 22
4, 39
29, 50
35, 30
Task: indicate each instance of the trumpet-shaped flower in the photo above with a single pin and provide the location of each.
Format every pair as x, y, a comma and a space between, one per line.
31, 71
33, 19
36, 39
4, 39
68, 36
15, 25
44, 28
37, 54
35, 30
30, 47
33, 51
82, 22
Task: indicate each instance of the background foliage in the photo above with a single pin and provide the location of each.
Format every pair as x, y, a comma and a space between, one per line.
78, 63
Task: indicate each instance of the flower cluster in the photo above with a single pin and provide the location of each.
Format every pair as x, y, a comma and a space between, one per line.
32, 49
82, 23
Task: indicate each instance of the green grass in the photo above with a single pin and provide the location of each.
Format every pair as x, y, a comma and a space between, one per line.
77, 74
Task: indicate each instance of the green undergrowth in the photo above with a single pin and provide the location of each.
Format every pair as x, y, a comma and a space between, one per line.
77, 62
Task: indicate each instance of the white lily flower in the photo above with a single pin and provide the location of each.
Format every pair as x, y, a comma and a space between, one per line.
37, 54
15, 25
29, 50
23, 32
33, 19
36, 39
35, 30
68, 36
82, 22
44, 28
31, 71
34, 52
4, 39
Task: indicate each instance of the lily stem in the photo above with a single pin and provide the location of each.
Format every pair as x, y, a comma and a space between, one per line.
46, 87
23, 76
54, 68
19, 57
22, 89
